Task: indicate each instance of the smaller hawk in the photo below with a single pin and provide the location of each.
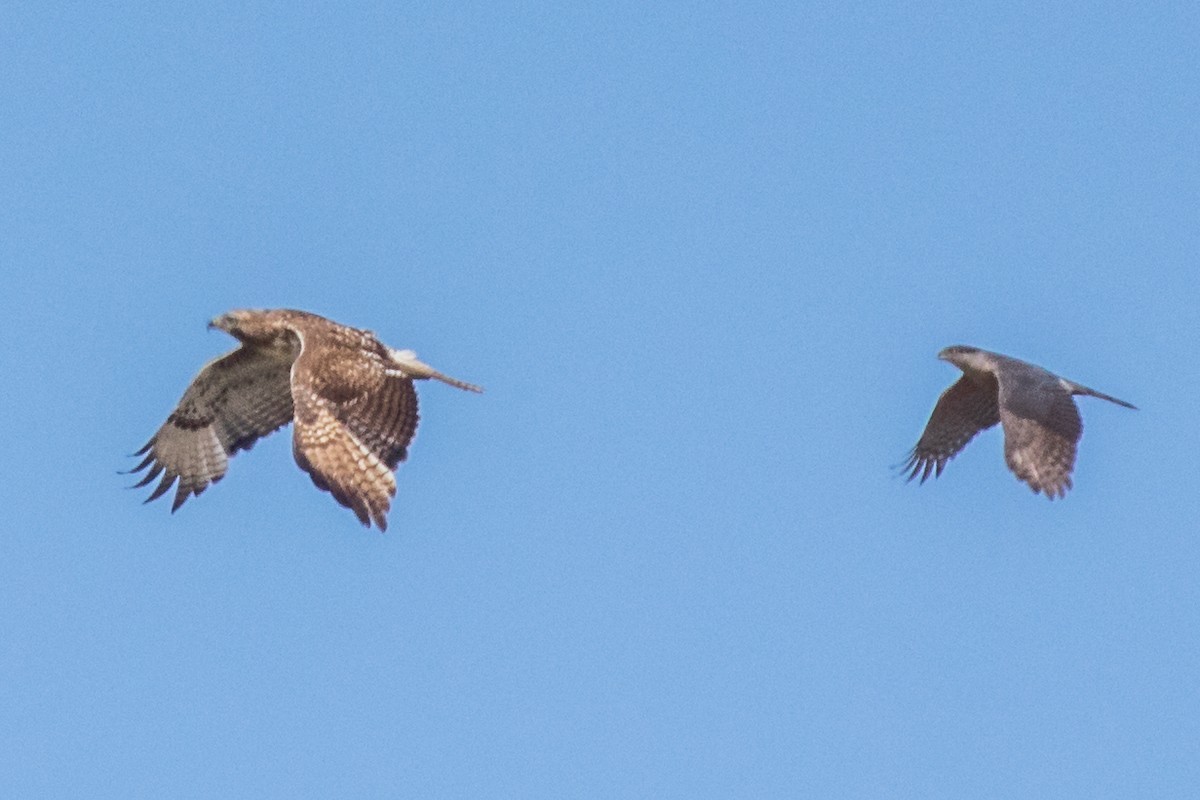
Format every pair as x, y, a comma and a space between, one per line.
350, 395
1042, 426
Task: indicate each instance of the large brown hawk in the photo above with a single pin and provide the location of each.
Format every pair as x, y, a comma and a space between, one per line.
350, 395
1041, 423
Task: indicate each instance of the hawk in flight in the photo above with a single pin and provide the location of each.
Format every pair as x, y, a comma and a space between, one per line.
1041, 423
350, 395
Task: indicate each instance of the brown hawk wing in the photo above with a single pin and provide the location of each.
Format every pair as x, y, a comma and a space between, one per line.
234, 401
963, 410
1042, 428
354, 422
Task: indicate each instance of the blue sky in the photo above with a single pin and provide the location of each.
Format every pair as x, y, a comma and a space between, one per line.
702, 256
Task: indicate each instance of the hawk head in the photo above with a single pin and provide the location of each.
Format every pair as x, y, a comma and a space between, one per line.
248, 325
965, 357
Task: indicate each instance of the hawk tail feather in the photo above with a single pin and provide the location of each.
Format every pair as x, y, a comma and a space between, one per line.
1077, 388
412, 367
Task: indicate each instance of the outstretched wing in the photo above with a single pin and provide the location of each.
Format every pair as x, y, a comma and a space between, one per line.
354, 422
234, 401
963, 410
1042, 428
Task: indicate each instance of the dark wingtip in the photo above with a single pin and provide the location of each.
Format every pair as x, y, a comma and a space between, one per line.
918, 466
154, 472
147, 461
1057, 492
161, 489
181, 495
904, 469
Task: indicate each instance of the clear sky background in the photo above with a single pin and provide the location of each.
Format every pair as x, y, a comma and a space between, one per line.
702, 256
